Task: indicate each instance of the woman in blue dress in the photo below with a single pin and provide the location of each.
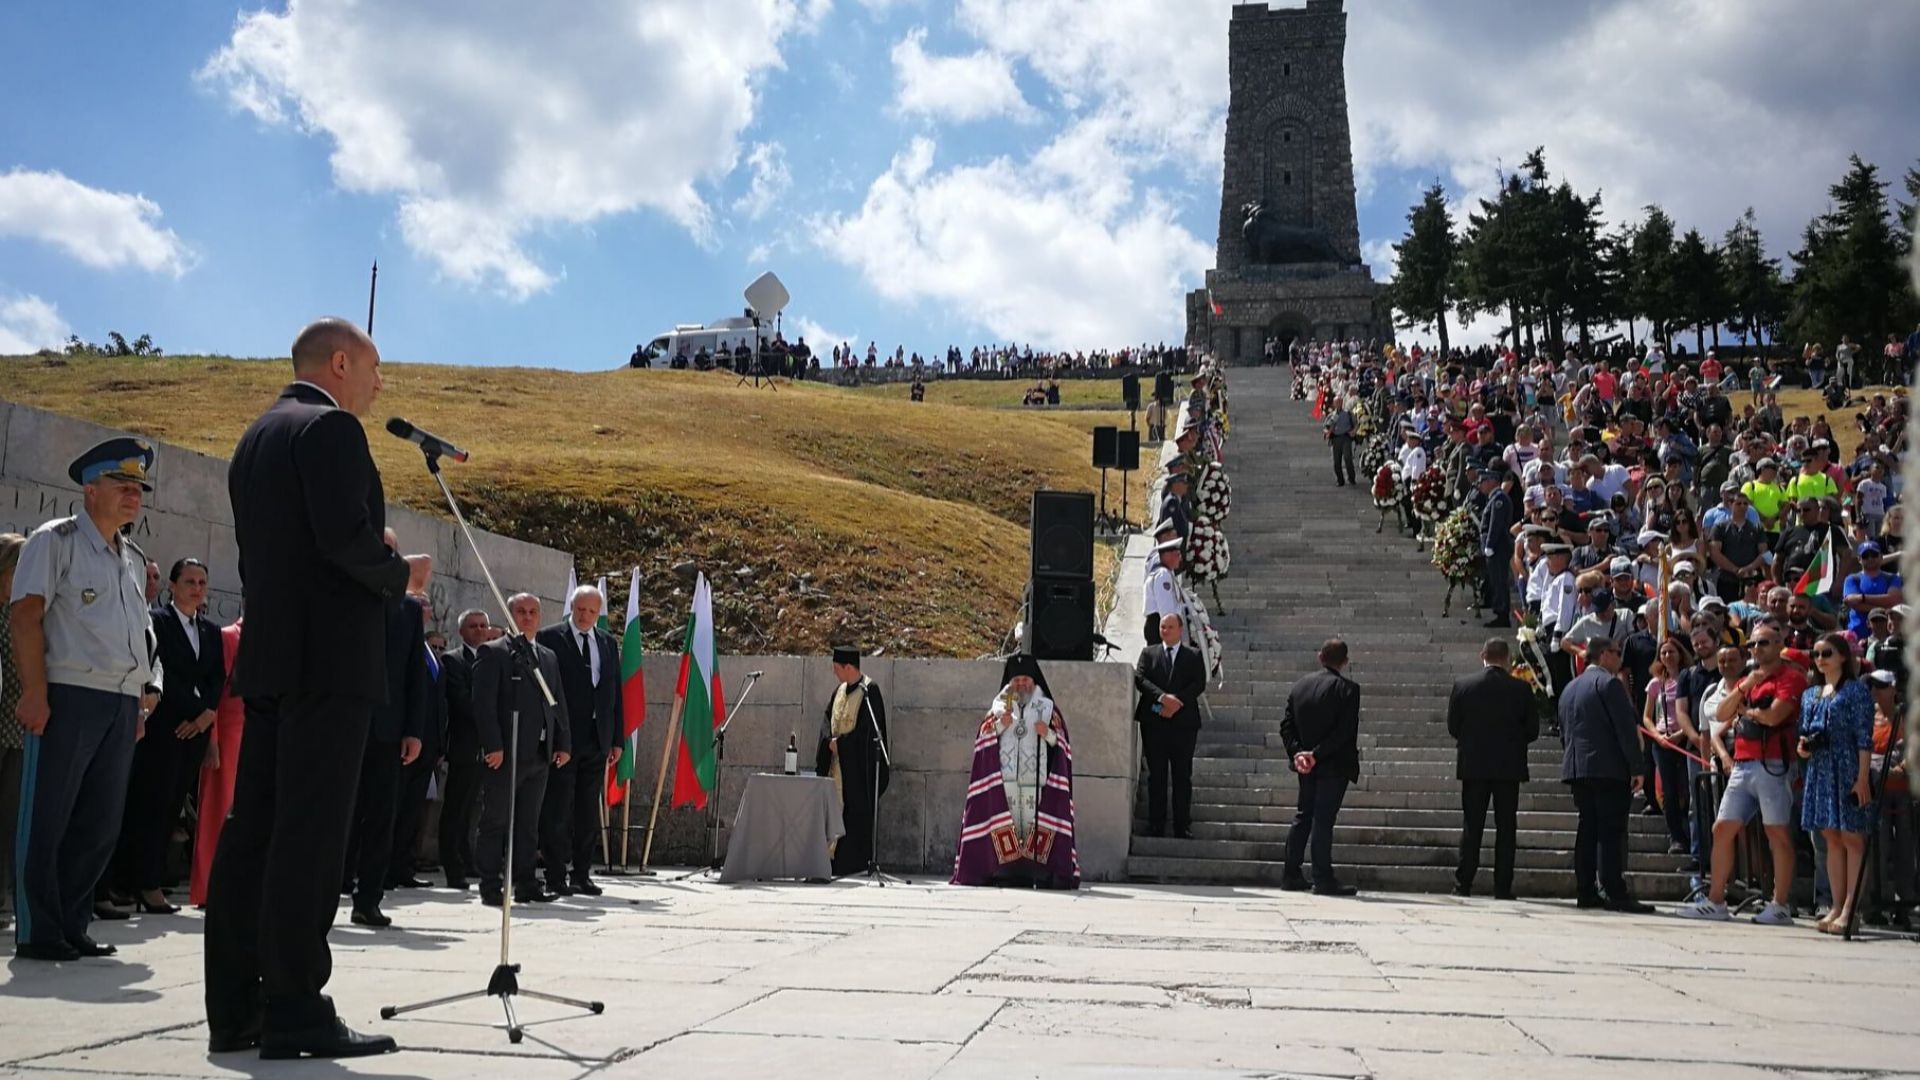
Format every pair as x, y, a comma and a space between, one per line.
1836, 737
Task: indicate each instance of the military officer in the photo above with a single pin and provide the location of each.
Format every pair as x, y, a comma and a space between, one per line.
1164, 595
87, 680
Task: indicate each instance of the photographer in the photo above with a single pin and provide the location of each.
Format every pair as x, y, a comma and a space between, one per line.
1836, 742
1764, 710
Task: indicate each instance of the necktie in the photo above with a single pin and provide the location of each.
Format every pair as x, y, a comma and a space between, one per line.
1170, 655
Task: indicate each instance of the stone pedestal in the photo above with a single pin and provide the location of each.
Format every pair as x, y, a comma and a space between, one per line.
1240, 309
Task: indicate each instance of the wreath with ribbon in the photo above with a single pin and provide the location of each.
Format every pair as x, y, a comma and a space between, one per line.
1430, 499
1386, 486
1456, 545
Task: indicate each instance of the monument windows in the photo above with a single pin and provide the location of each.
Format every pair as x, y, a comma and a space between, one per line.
1287, 186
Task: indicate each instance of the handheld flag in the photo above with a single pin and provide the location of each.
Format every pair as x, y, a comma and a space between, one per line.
1819, 576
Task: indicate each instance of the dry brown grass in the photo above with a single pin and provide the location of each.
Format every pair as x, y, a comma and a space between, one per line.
818, 514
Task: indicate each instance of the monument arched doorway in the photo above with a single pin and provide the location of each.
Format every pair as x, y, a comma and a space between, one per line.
1287, 329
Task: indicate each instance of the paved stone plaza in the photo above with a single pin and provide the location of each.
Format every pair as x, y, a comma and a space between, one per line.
919, 981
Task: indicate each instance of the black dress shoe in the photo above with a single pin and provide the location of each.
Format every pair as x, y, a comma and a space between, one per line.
1498, 624
410, 883
559, 888
1295, 883
585, 887
1589, 901
1335, 889
146, 907
532, 895
459, 883
108, 913
1183, 834
1627, 905
234, 1042
1504, 896
52, 952
335, 1040
491, 897
1463, 890
373, 917
87, 947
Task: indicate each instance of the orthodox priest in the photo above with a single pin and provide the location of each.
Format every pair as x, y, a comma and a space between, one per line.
853, 752
1017, 825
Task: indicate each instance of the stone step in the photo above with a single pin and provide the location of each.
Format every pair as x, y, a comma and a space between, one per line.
1221, 818
1375, 843
1372, 877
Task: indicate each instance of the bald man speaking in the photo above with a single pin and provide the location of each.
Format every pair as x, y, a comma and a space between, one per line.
308, 511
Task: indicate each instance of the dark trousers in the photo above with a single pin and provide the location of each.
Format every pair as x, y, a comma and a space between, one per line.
1599, 844
1474, 797
165, 768
570, 817
371, 845
73, 789
527, 788
1498, 583
461, 802
1320, 797
1675, 791
11, 763
275, 885
853, 853
1342, 458
1169, 752
410, 807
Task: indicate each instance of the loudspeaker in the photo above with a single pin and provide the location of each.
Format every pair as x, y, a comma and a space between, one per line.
1104, 452
1062, 534
1060, 620
1126, 456
1130, 390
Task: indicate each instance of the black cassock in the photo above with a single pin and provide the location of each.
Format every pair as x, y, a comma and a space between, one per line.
860, 763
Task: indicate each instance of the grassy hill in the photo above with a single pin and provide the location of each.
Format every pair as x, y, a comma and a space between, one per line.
818, 513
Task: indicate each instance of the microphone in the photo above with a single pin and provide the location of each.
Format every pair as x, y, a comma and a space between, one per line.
432, 444
755, 674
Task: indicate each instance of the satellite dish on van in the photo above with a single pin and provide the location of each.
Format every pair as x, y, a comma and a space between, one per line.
766, 296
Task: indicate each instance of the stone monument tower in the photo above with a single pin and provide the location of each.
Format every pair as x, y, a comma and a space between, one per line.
1287, 264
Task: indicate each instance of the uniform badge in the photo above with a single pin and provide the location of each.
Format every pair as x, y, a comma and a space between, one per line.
88, 596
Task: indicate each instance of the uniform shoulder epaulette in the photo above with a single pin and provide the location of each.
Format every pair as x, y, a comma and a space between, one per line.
137, 549
65, 527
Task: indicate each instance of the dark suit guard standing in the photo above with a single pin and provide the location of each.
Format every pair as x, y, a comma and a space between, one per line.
1170, 677
308, 509
1321, 730
399, 725
590, 681
464, 768
1603, 749
545, 736
1491, 717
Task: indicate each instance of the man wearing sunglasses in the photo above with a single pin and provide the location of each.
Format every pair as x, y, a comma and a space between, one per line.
1764, 709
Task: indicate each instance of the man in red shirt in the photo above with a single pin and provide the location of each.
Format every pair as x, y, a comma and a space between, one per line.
1764, 709
1605, 383
1710, 369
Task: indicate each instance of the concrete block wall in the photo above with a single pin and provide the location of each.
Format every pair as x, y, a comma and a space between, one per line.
188, 513
934, 709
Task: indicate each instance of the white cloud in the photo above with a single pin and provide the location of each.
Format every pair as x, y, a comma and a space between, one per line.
1381, 257
492, 122
771, 179
978, 86
103, 229
29, 324
820, 339
1015, 251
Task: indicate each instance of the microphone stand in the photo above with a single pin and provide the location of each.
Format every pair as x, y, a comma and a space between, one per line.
719, 762
874, 874
505, 982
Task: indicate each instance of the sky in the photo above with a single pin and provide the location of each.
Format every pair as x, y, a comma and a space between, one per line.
549, 184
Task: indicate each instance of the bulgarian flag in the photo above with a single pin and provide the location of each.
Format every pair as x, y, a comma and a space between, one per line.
604, 623
703, 703
633, 696
1818, 579
1214, 305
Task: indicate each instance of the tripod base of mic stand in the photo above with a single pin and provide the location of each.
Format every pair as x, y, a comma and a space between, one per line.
627, 871
875, 876
504, 985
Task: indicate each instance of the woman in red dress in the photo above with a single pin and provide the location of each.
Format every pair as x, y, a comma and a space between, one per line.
216, 779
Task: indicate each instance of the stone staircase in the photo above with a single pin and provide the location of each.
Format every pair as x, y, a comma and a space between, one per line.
1307, 565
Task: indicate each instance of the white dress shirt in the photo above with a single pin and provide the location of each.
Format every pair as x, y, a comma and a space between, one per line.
583, 640
191, 626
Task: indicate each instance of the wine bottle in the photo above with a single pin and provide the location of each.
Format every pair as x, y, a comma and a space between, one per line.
793, 755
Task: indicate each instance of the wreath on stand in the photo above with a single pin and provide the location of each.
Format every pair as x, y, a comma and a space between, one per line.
1374, 455
1456, 554
1431, 502
1207, 546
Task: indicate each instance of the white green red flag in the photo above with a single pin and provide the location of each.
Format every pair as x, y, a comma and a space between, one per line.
605, 622
1819, 576
633, 696
703, 703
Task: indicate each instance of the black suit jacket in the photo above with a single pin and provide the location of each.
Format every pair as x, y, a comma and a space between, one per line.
307, 513
1492, 718
408, 710
1323, 716
1598, 727
1185, 678
594, 711
494, 701
456, 685
193, 683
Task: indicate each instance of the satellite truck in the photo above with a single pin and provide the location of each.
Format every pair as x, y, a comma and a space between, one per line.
766, 297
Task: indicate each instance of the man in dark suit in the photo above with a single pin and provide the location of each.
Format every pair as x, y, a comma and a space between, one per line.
464, 768
308, 509
511, 792
416, 776
1170, 677
393, 742
1321, 730
1603, 745
1496, 545
1492, 718
590, 681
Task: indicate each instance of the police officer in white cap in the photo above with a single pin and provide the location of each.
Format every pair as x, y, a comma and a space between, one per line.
88, 679
1163, 593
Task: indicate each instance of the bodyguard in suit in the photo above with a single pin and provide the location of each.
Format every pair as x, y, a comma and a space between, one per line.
1601, 766
394, 741
1491, 717
167, 765
416, 777
1321, 729
511, 792
1170, 677
1496, 545
461, 799
590, 681
308, 509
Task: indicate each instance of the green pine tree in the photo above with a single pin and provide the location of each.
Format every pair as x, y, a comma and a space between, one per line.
1427, 279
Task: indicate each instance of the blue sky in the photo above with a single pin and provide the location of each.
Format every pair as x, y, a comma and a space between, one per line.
546, 190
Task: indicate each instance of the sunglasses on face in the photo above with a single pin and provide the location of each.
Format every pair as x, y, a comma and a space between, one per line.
1825, 654
1766, 643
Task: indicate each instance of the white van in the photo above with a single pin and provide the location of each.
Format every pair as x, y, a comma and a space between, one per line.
693, 337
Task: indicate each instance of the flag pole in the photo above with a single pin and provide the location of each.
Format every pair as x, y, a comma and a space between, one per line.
626, 822
660, 783
606, 843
